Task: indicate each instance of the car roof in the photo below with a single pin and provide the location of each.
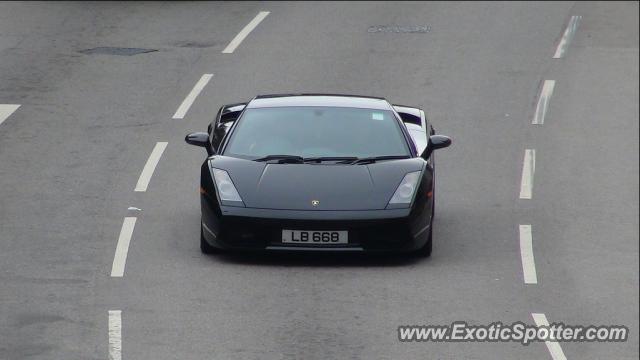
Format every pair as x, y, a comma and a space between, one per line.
333, 100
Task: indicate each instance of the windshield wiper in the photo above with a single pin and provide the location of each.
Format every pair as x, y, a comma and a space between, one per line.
295, 159
283, 159
372, 159
342, 159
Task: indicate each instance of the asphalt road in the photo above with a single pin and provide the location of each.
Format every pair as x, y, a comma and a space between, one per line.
72, 153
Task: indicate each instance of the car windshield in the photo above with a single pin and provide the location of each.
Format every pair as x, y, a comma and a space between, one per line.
317, 132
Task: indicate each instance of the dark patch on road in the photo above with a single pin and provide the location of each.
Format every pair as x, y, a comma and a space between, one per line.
194, 44
46, 281
27, 350
32, 319
122, 51
420, 29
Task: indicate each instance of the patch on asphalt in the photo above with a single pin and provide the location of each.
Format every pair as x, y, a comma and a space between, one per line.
194, 44
122, 51
420, 29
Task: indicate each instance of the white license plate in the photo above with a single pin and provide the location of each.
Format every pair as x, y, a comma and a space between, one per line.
314, 237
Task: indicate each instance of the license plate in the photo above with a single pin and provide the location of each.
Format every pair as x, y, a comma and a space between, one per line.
314, 237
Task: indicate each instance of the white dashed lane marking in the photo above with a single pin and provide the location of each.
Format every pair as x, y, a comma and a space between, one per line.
150, 167
6, 110
528, 170
543, 102
563, 45
122, 248
188, 101
115, 335
554, 347
244, 32
526, 253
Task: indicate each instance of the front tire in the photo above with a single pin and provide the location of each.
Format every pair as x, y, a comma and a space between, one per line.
425, 250
204, 245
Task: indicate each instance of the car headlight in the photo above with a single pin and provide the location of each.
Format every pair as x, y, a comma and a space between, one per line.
226, 190
404, 193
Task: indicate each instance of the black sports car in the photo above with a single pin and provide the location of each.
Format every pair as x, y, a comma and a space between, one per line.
318, 172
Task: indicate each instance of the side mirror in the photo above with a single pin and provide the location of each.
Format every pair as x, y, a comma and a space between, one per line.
439, 141
435, 142
200, 139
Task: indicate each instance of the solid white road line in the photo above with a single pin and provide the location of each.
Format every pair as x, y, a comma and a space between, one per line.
120, 258
528, 169
543, 102
526, 253
115, 335
244, 32
563, 45
554, 347
186, 103
150, 166
6, 110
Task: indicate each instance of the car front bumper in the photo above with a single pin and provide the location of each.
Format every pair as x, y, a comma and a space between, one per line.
239, 228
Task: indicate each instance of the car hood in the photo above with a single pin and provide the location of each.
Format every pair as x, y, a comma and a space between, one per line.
330, 187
